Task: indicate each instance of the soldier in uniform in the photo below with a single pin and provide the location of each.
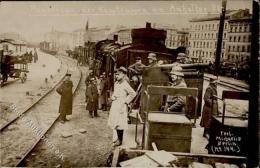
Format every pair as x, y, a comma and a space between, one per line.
152, 59
92, 98
121, 98
137, 70
176, 103
210, 105
90, 75
65, 90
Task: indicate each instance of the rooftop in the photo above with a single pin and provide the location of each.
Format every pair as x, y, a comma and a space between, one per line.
230, 14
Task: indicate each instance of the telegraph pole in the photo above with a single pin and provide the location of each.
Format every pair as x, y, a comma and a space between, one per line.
220, 37
254, 99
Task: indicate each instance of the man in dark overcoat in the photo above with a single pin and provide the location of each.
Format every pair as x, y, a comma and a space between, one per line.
65, 90
210, 107
92, 98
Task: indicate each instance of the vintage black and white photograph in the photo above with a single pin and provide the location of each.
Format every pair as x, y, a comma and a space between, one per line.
129, 84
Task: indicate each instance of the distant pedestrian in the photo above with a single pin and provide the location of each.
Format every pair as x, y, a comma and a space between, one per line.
35, 56
102, 91
210, 107
121, 98
65, 90
92, 98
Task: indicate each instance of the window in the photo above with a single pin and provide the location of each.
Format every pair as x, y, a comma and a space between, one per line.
235, 29
245, 28
238, 48
235, 38
230, 38
244, 39
233, 48
225, 35
238, 39
231, 29
213, 26
243, 48
240, 28
225, 25
209, 26
229, 48
223, 44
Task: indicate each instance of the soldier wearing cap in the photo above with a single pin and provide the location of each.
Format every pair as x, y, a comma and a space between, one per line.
176, 103
210, 107
137, 70
152, 59
92, 97
65, 90
122, 96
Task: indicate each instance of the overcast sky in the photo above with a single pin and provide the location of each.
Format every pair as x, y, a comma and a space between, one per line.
33, 19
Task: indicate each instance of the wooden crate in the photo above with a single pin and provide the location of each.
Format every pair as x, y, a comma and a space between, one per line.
170, 132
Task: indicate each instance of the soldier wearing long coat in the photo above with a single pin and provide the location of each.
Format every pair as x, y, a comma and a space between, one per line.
65, 90
92, 98
210, 107
122, 96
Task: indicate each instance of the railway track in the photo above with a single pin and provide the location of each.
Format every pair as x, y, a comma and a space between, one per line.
21, 136
23, 109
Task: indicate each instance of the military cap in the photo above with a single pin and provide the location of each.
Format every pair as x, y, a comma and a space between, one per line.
122, 69
68, 74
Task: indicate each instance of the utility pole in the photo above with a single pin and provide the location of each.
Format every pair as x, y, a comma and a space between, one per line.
254, 99
220, 37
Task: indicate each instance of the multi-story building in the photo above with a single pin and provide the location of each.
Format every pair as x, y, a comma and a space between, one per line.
203, 36
59, 40
239, 40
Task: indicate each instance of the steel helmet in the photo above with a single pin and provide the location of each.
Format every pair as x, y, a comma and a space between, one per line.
152, 56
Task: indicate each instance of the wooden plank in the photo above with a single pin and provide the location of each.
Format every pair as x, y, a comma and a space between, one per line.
141, 161
169, 90
162, 157
191, 155
115, 157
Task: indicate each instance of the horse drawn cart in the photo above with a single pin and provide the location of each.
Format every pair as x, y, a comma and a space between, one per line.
13, 66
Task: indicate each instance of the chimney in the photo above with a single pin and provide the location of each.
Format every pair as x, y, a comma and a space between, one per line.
148, 25
115, 38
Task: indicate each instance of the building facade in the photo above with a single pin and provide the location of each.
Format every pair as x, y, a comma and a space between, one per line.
203, 36
239, 40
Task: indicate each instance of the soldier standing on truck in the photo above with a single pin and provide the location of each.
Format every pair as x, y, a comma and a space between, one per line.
176, 103
152, 60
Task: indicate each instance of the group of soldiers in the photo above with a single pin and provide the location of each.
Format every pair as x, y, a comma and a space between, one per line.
123, 94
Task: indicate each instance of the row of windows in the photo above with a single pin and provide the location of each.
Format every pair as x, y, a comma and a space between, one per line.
206, 54
240, 38
200, 44
240, 28
207, 35
237, 57
239, 48
208, 26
